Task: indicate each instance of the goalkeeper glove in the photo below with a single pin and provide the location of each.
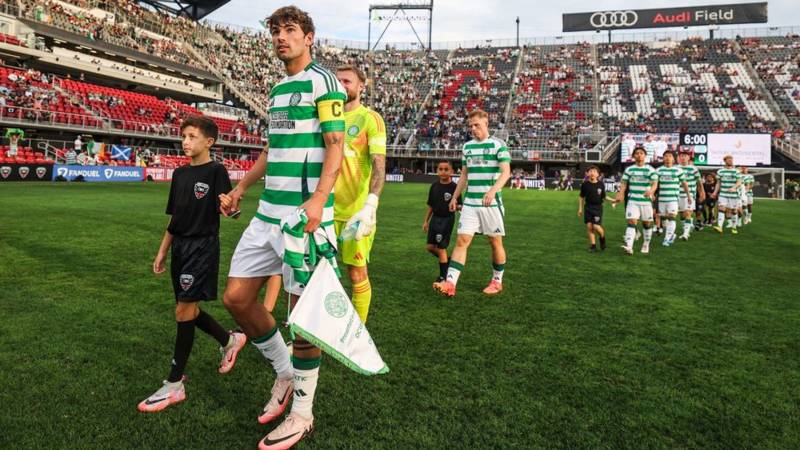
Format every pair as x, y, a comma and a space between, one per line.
365, 218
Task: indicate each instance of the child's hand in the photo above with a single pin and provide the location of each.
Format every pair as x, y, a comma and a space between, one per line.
158, 263
580, 212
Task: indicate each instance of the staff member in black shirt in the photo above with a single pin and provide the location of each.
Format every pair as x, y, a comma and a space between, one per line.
439, 220
193, 237
593, 192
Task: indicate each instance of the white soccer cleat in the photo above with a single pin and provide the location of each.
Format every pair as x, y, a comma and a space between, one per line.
628, 250
646, 248
290, 432
168, 394
282, 391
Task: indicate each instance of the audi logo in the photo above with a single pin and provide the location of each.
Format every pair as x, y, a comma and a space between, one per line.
612, 19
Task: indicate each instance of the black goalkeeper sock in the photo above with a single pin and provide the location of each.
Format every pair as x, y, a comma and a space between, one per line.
183, 346
443, 270
211, 327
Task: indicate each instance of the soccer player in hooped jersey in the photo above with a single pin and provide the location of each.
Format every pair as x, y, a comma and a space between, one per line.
728, 181
485, 169
306, 138
671, 182
747, 199
641, 180
685, 203
359, 185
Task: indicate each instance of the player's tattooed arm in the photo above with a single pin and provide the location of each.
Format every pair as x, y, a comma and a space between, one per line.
378, 178
334, 149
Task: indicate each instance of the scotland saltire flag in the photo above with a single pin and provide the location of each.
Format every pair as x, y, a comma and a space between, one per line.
119, 152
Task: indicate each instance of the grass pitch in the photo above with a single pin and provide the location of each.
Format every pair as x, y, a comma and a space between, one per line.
690, 346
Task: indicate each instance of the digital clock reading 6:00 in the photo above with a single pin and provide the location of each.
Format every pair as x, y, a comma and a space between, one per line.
694, 139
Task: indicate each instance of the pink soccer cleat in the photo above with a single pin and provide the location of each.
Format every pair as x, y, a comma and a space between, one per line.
445, 288
230, 351
169, 394
290, 432
282, 391
495, 287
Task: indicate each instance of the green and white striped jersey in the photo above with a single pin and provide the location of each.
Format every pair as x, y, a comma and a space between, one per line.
692, 175
748, 180
301, 108
639, 180
482, 160
727, 179
669, 183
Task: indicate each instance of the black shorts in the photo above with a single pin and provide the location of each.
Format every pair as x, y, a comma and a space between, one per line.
195, 268
439, 231
711, 202
593, 214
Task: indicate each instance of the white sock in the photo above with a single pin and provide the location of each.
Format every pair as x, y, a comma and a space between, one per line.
648, 234
630, 234
497, 275
687, 227
275, 351
720, 218
305, 385
454, 271
671, 226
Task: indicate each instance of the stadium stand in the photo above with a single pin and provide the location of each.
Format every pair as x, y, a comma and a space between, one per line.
776, 61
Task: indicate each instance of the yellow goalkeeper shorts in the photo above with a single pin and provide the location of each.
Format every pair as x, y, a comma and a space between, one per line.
354, 253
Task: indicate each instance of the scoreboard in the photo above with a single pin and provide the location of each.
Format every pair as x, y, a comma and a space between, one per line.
710, 148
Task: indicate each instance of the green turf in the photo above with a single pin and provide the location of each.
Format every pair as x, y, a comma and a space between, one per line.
692, 346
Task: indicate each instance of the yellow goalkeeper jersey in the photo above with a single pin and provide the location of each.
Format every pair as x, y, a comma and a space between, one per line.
364, 136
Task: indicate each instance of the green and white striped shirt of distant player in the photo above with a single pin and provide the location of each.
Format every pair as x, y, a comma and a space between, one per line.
670, 182
482, 160
748, 181
692, 175
638, 180
301, 108
727, 180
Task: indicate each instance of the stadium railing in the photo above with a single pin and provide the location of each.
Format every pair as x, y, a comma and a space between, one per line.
518, 155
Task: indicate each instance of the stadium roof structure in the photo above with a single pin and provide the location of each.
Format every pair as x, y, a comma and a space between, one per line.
192, 9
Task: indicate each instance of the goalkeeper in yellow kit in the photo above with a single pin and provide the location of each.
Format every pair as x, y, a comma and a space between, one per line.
359, 184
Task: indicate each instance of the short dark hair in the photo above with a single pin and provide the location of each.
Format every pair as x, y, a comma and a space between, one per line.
639, 148
593, 167
669, 152
291, 14
353, 68
444, 161
206, 126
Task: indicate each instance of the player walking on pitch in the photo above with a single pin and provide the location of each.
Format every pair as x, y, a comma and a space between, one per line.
642, 181
671, 183
686, 205
485, 169
359, 185
439, 220
306, 135
728, 181
748, 181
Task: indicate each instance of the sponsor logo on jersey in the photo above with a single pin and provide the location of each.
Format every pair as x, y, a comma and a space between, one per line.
5, 171
200, 190
280, 120
24, 171
186, 281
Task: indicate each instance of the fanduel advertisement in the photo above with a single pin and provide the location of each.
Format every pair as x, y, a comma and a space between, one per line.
690, 16
99, 173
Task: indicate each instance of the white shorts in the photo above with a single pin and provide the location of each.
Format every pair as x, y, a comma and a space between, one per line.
749, 199
669, 208
743, 198
636, 211
481, 219
729, 203
684, 205
260, 254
